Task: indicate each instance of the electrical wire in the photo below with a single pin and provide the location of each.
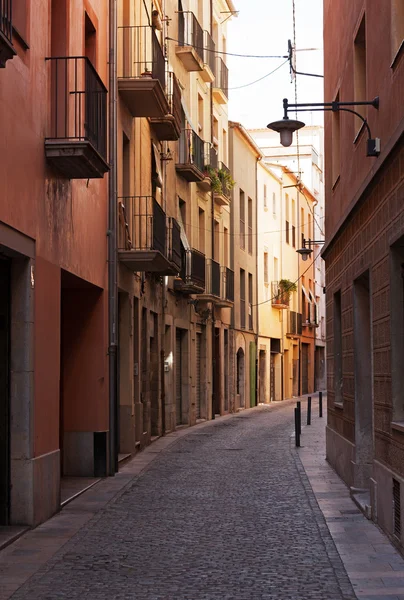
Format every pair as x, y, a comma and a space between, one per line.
258, 233
239, 87
294, 283
182, 43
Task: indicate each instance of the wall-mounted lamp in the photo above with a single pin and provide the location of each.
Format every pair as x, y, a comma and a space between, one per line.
286, 127
306, 250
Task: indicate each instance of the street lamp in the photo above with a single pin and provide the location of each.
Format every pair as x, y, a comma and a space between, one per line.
306, 249
286, 127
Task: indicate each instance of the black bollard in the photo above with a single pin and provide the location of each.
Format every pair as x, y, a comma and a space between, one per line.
320, 404
297, 434
309, 410
299, 416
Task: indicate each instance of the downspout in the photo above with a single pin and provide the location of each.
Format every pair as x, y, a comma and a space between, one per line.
164, 278
299, 299
112, 247
212, 234
256, 285
281, 276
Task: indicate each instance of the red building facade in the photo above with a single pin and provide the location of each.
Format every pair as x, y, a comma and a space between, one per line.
54, 417
364, 252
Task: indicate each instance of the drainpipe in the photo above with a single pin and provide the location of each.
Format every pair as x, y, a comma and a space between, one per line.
112, 248
256, 287
212, 234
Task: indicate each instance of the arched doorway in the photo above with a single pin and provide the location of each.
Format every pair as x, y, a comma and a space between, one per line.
240, 386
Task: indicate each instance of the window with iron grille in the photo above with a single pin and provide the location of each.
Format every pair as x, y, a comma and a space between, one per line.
242, 298
396, 508
250, 226
242, 220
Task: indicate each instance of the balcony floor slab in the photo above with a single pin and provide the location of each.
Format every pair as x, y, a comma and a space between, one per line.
144, 97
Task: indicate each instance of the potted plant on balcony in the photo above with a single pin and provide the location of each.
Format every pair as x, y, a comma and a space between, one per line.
226, 180
216, 183
286, 288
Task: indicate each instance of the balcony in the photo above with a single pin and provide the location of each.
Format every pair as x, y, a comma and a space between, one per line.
219, 285
7, 49
221, 86
77, 142
190, 37
191, 163
141, 72
193, 272
210, 163
208, 73
222, 185
168, 127
280, 298
294, 324
148, 240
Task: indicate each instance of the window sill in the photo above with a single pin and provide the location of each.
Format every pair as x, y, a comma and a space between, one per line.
397, 56
398, 425
359, 134
339, 405
336, 182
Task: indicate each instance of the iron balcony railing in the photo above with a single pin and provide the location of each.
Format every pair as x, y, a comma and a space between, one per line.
78, 101
174, 242
227, 284
6, 26
190, 33
140, 54
191, 149
278, 295
213, 277
222, 76
209, 52
144, 224
174, 96
212, 158
193, 271
294, 323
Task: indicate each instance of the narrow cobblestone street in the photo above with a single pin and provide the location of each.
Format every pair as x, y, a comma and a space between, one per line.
226, 512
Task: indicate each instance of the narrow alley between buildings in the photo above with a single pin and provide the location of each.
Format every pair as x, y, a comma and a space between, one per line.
225, 510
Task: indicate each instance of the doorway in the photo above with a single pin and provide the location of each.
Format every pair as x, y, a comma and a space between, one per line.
240, 384
198, 342
217, 378
5, 306
363, 366
262, 367
305, 368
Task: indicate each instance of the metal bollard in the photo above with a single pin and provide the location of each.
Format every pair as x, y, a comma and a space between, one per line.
320, 404
309, 410
297, 434
299, 415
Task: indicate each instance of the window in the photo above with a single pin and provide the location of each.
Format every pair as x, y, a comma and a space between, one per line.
337, 346
250, 226
90, 41
276, 271
125, 165
265, 196
266, 273
200, 115
226, 246
293, 223
336, 144
202, 230
217, 242
293, 236
397, 27
224, 146
21, 20
242, 298
250, 301
242, 220
309, 227
274, 204
360, 72
287, 218
183, 214
215, 140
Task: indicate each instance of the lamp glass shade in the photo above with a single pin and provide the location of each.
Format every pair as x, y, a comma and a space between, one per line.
286, 128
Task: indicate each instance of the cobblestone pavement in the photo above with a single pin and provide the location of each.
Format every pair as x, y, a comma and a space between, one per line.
225, 513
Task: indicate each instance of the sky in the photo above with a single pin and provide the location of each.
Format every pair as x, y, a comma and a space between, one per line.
263, 27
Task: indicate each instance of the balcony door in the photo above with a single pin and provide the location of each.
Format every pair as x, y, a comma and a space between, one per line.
4, 390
